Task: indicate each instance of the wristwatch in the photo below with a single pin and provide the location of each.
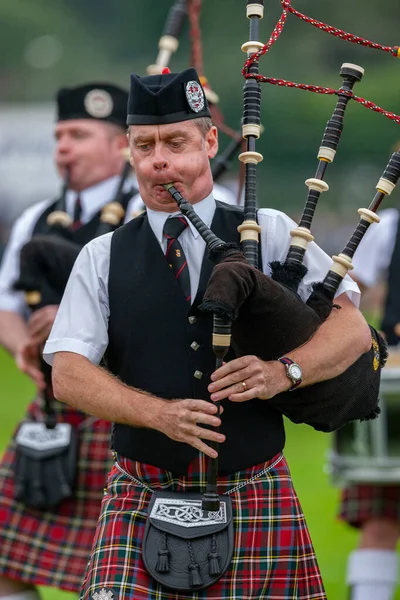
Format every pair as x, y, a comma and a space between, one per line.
293, 371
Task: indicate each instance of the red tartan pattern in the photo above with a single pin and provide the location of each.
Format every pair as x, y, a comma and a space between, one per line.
273, 557
361, 503
53, 548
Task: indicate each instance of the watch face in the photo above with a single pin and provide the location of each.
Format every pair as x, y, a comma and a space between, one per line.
295, 372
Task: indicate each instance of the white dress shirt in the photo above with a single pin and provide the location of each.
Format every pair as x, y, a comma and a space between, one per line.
81, 325
374, 254
92, 200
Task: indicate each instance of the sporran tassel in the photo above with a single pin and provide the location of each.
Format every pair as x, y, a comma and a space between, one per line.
194, 571
194, 575
213, 564
163, 557
213, 558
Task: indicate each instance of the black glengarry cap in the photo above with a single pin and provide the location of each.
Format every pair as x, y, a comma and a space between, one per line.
100, 101
166, 98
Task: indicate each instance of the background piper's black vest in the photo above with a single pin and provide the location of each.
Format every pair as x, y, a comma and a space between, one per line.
83, 234
153, 336
391, 316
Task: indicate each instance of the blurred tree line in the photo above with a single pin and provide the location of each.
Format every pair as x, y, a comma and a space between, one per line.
100, 39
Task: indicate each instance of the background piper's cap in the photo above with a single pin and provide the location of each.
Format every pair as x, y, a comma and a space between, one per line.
166, 98
100, 101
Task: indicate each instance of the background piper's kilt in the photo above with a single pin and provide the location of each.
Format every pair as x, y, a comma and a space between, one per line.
361, 503
53, 548
273, 554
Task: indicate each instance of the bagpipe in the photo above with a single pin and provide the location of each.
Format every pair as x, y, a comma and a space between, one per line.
264, 316
46, 453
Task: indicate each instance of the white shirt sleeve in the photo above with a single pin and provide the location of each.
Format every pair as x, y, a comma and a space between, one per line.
81, 324
21, 233
134, 208
275, 228
374, 254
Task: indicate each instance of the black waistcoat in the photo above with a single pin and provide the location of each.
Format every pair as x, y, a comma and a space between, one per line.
151, 331
83, 234
391, 315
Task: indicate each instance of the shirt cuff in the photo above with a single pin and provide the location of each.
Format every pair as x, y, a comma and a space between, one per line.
71, 345
13, 303
352, 290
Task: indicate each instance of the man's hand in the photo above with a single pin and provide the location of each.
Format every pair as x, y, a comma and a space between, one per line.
27, 359
41, 322
248, 377
183, 420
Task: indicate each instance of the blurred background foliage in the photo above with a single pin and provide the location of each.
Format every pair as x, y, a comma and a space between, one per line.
45, 44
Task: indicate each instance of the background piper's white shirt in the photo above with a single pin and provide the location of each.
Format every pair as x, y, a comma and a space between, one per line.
375, 251
92, 200
81, 325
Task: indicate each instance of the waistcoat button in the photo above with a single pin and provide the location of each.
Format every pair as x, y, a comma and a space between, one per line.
195, 346
198, 374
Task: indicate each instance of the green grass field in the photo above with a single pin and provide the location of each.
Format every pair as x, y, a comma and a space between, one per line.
306, 451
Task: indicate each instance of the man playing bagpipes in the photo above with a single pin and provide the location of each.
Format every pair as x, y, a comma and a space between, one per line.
45, 540
144, 316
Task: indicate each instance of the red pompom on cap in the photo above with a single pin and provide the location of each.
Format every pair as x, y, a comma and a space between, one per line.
165, 71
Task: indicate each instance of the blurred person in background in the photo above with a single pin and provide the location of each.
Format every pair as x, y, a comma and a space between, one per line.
51, 547
375, 509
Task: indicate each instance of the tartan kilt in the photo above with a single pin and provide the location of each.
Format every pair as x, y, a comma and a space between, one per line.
53, 548
361, 503
273, 554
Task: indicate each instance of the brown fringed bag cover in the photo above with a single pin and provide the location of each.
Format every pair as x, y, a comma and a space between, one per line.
269, 320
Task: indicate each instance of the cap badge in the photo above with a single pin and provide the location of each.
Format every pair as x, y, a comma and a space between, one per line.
98, 103
194, 96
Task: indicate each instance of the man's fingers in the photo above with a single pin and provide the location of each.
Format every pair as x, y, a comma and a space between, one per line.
231, 367
208, 434
204, 419
202, 447
243, 396
232, 382
201, 406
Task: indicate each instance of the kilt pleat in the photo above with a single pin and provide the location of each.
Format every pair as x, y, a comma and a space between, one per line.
53, 548
273, 556
361, 503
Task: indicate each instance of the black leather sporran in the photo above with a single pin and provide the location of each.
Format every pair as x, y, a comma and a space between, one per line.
185, 548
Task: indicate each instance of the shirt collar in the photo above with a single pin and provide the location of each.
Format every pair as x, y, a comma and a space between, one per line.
204, 209
95, 197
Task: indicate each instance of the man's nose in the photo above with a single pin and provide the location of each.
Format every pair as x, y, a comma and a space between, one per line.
160, 162
63, 145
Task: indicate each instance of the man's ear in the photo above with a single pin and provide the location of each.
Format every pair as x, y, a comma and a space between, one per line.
212, 142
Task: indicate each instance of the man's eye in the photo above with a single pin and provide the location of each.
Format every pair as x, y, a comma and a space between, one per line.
176, 144
143, 146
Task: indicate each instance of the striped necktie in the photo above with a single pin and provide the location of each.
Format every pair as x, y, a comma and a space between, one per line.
174, 254
77, 213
